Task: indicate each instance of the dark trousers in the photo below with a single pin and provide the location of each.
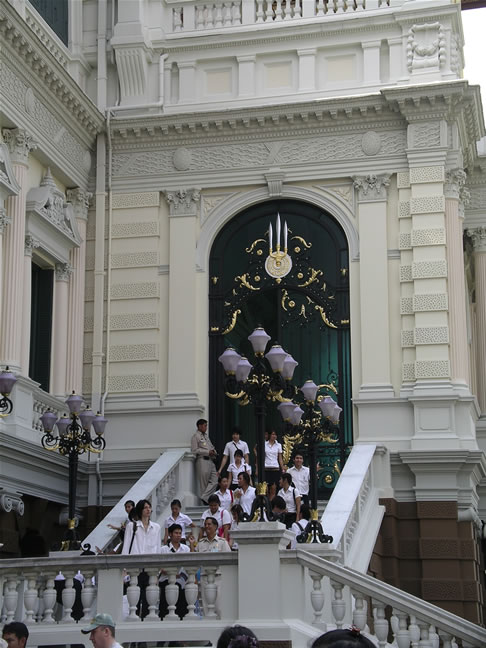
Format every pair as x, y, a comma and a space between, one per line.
290, 518
181, 605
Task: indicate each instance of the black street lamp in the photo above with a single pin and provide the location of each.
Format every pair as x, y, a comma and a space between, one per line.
7, 381
317, 422
258, 384
74, 438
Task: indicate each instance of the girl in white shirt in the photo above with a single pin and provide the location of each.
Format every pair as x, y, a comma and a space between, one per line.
237, 466
177, 518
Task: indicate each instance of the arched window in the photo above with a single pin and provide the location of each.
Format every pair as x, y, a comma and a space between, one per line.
306, 311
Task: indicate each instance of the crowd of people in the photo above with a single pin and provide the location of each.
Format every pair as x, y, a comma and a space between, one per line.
101, 632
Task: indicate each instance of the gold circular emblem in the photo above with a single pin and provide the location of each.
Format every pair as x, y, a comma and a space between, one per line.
300, 275
278, 265
257, 278
328, 479
259, 252
291, 303
297, 249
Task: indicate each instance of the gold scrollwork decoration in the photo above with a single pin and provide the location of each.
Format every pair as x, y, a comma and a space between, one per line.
324, 316
243, 279
313, 277
250, 249
330, 386
303, 241
328, 438
232, 324
235, 396
289, 442
244, 401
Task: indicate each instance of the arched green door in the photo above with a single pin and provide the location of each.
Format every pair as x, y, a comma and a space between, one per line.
307, 312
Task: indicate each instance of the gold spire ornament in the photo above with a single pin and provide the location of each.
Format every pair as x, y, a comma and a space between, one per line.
278, 263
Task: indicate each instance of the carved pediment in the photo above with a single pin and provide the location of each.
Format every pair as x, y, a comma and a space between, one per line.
8, 183
49, 202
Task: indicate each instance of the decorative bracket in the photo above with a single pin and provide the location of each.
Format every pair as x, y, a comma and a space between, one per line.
11, 501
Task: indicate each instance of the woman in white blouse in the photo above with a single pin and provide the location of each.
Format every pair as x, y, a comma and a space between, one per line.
273, 463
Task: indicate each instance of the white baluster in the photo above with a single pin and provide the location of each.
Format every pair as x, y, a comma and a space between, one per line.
339, 6
3, 611
338, 604
68, 597
359, 612
424, 635
30, 597
200, 17
381, 624
287, 10
210, 592
259, 11
209, 17
297, 12
218, 17
236, 13
402, 635
152, 593
171, 593
321, 7
11, 597
177, 19
49, 599
433, 637
317, 597
414, 632
360, 5
87, 597
446, 639
226, 14
278, 10
133, 594
191, 592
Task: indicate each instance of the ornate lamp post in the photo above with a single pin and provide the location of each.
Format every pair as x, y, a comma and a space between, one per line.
317, 422
74, 438
257, 384
7, 381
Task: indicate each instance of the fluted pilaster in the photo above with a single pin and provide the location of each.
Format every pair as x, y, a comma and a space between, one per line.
60, 329
30, 244
478, 236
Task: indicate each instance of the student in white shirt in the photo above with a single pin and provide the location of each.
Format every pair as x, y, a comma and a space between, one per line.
215, 511
177, 518
300, 477
225, 494
300, 526
245, 494
291, 496
238, 465
273, 463
174, 546
231, 447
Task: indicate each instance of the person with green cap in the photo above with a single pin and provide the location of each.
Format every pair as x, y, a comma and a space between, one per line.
101, 632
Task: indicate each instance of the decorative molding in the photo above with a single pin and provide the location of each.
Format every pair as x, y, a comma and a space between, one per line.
371, 187
130, 200
63, 271
405, 241
80, 201
137, 229
403, 180
133, 352
429, 269
126, 321
406, 306
275, 179
427, 205
8, 181
11, 501
371, 143
432, 236
405, 273
477, 198
432, 369
19, 143
408, 372
182, 159
209, 202
455, 180
183, 202
30, 244
164, 269
426, 47
142, 290
404, 209
420, 175
430, 302
132, 383
5, 219
407, 339
478, 238
135, 259
431, 335
132, 68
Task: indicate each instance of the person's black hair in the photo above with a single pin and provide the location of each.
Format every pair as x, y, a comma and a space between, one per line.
343, 639
288, 478
130, 502
174, 527
132, 514
213, 498
237, 636
240, 513
278, 502
200, 422
176, 502
213, 520
16, 628
222, 477
238, 453
305, 511
245, 476
236, 430
140, 506
298, 454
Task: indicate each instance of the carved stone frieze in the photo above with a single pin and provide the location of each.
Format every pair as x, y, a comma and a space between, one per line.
80, 201
19, 144
371, 187
63, 271
5, 219
478, 238
426, 47
183, 202
454, 182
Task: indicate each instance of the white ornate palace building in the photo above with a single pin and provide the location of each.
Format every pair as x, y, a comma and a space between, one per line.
139, 139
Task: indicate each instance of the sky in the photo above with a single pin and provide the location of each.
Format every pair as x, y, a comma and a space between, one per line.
474, 22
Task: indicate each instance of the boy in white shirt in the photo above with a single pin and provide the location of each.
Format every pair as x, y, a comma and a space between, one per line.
215, 511
179, 518
231, 447
174, 546
291, 496
300, 477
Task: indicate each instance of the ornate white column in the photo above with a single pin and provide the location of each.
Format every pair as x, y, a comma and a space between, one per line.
30, 244
454, 215
60, 329
373, 262
74, 371
19, 145
478, 236
183, 209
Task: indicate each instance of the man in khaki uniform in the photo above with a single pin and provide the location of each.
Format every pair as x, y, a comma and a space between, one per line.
201, 446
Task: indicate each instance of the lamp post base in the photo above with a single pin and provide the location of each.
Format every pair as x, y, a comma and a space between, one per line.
313, 532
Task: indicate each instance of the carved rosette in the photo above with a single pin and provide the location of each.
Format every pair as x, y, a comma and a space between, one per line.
5, 219
371, 187
19, 144
478, 238
183, 202
30, 244
63, 271
80, 200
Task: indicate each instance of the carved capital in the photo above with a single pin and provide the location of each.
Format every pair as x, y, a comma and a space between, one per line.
183, 202
478, 238
63, 271
5, 219
30, 244
19, 144
454, 183
80, 200
11, 501
371, 187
